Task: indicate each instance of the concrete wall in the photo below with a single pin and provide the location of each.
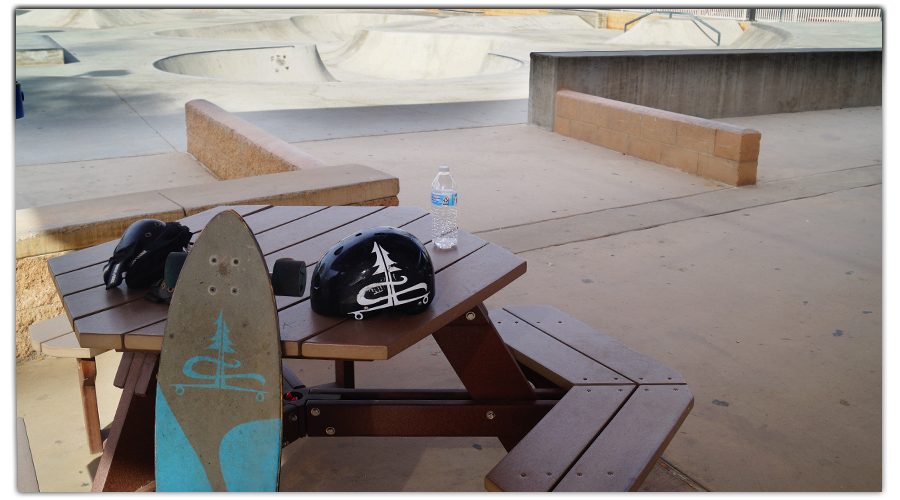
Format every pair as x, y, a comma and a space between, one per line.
705, 148
710, 83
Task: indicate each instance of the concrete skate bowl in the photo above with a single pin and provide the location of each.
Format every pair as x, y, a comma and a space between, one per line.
296, 63
349, 46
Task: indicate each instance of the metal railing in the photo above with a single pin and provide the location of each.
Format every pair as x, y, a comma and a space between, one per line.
818, 15
785, 15
673, 12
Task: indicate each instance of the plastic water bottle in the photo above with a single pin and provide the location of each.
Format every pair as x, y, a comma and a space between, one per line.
444, 231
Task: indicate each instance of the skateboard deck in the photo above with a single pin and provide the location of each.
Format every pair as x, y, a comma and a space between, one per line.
218, 403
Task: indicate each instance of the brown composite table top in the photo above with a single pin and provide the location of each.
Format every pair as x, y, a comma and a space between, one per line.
465, 276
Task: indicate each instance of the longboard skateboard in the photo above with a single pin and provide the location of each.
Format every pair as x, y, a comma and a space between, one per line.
218, 406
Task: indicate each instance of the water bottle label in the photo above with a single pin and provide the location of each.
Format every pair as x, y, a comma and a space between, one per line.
443, 200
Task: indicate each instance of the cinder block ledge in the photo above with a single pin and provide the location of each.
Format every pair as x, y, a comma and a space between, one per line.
706, 148
232, 148
80, 224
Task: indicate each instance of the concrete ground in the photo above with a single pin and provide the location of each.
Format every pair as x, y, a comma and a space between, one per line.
767, 298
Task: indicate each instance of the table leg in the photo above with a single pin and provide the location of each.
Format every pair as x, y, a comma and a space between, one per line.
87, 375
483, 362
481, 359
127, 461
344, 374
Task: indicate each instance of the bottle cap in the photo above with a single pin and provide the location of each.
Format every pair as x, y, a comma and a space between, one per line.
443, 168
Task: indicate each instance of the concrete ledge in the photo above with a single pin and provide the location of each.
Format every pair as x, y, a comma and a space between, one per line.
56, 337
80, 224
710, 83
337, 185
233, 148
26, 477
34, 50
706, 148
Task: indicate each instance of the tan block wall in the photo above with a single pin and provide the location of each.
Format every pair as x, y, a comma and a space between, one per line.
232, 148
706, 148
616, 20
36, 299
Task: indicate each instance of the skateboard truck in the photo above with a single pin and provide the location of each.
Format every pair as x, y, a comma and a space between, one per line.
288, 278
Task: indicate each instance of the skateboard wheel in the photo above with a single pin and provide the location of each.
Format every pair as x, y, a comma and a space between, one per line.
174, 263
289, 277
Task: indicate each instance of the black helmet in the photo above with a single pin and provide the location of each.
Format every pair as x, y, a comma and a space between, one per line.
141, 253
373, 271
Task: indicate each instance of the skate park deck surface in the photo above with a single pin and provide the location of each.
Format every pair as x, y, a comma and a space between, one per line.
768, 298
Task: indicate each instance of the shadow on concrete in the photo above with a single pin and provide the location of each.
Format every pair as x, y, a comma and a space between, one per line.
297, 125
68, 58
92, 468
108, 72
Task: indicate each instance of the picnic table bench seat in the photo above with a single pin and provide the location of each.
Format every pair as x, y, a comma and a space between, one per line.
621, 410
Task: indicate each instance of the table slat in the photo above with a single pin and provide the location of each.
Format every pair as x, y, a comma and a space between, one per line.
271, 218
94, 300
80, 279
312, 249
558, 363
106, 330
545, 454
148, 338
310, 227
628, 448
605, 350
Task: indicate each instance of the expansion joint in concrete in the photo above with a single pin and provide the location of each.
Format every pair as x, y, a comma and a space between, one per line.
643, 228
614, 221
183, 210
675, 471
174, 149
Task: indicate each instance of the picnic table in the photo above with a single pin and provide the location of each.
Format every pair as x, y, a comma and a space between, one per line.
508, 391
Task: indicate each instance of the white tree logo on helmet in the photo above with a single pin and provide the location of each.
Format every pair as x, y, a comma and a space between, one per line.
386, 293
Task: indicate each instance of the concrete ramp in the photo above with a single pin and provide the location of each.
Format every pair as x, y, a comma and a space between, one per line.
760, 36
327, 27
506, 24
297, 63
422, 55
664, 32
89, 18
281, 30
342, 27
